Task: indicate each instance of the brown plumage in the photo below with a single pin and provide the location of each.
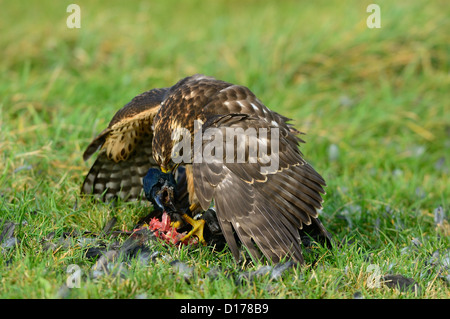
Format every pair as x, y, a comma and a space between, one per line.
271, 209
125, 150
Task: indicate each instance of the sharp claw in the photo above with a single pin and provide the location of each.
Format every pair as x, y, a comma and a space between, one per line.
197, 229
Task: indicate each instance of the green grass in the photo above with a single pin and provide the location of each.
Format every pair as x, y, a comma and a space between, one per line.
379, 95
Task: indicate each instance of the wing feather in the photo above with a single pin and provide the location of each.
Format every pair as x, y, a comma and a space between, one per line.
125, 150
266, 209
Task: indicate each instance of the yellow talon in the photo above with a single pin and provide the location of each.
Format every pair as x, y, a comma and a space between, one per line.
176, 224
197, 229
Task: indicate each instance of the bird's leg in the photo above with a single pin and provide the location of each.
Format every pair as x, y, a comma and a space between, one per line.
197, 226
197, 229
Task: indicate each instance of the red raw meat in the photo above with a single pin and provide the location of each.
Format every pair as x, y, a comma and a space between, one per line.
162, 229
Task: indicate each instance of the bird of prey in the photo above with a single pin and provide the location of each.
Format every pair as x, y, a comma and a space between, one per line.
269, 208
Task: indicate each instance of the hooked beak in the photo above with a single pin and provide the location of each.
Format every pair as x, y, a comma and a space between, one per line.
166, 170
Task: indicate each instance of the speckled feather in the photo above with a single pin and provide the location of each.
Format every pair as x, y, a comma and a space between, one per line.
271, 210
125, 150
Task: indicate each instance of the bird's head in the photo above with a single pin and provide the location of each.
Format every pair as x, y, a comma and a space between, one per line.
172, 140
163, 157
159, 188
162, 151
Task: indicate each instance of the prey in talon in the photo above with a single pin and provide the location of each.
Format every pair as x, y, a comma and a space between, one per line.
267, 201
161, 190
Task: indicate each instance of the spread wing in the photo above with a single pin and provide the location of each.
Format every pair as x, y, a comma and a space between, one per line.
125, 153
264, 205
